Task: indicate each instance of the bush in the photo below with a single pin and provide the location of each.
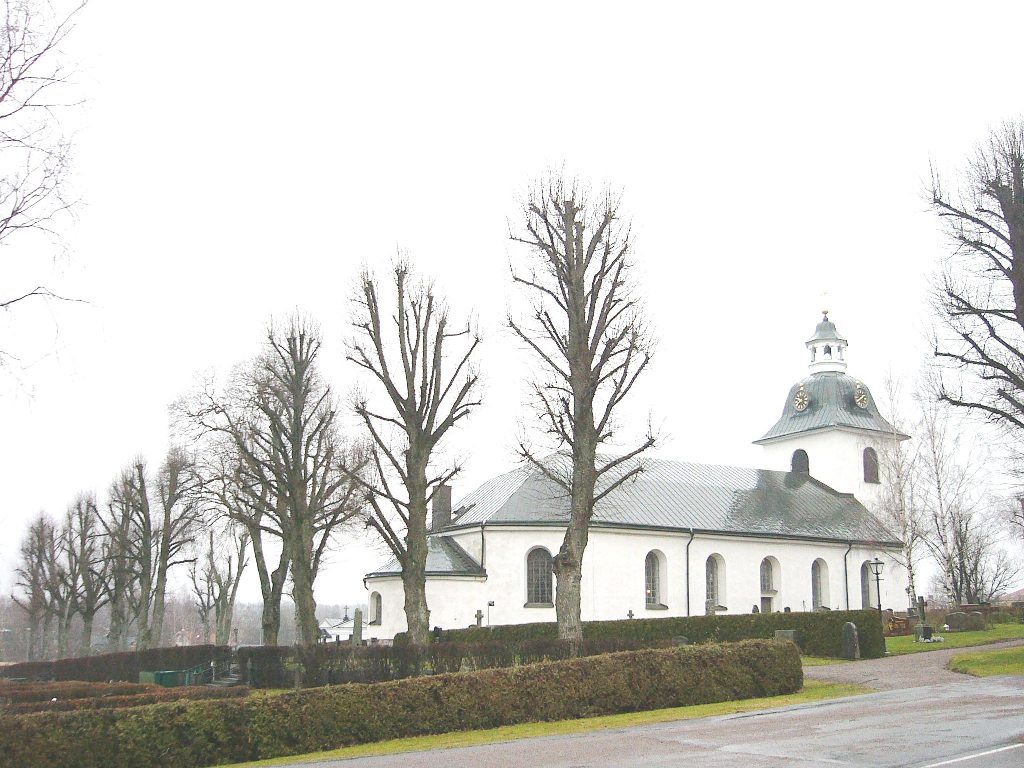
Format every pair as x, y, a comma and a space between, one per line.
186, 734
21, 693
118, 666
819, 633
155, 695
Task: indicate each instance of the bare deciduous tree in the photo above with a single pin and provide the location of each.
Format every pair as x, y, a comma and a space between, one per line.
179, 516
31, 579
85, 556
34, 153
119, 550
961, 536
980, 298
427, 392
282, 425
215, 576
899, 502
585, 328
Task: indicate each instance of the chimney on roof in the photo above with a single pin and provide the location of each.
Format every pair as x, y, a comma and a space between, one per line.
441, 508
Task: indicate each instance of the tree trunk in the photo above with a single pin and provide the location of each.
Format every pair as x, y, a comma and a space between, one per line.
308, 628
85, 644
414, 569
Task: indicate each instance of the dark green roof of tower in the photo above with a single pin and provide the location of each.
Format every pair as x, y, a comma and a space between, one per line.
826, 331
831, 403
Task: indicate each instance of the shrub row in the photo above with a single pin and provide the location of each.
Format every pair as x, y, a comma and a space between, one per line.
819, 633
186, 734
154, 696
18, 693
117, 666
329, 664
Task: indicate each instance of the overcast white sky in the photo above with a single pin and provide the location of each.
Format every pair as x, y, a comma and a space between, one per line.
239, 160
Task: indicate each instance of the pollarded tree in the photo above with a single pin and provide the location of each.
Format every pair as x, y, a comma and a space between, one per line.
31, 581
586, 329
980, 297
85, 556
282, 424
426, 389
216, 575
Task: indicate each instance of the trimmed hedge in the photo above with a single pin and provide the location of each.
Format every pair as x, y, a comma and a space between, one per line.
190, 734
819, 633
331, 664
118, 666
19, 693
155, 695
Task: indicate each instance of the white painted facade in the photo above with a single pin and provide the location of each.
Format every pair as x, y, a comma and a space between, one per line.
614, 582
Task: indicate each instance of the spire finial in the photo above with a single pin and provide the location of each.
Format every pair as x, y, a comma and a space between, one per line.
824, 315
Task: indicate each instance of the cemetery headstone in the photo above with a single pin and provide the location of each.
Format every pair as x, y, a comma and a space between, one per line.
851, 642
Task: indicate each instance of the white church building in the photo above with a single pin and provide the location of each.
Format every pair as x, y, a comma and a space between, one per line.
797, 535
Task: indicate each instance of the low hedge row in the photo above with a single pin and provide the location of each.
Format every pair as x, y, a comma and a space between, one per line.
19, 693
117, 666
154, 696
331, 664
819, 633
188, 734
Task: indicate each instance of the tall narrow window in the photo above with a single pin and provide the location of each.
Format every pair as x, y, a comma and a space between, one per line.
767, 580
819, 584
870, 466
375, 606
769, 583
538, 577
652, 579
801, 462
711, 577
865, 585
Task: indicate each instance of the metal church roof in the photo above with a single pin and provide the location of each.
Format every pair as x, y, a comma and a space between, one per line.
831, 398
444, 558
672, 495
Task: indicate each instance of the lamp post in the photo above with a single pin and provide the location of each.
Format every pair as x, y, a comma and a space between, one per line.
876, 568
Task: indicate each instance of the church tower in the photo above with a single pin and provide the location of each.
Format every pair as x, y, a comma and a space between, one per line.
830, 426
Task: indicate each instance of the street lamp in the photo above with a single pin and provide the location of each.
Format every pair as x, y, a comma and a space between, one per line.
876, 568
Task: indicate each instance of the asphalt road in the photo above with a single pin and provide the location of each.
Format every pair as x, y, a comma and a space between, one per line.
910, 727
927, 718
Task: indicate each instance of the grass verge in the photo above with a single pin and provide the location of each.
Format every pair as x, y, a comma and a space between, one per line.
820, 661
899, 645
813, 690
1009, 661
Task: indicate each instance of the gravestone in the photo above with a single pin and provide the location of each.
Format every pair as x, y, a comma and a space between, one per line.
786, 634
920, 609
756, 610
851, 642
357, 627
957, 621
975, 620
479, 617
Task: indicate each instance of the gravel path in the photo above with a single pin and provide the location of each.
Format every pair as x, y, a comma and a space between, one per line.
911, 670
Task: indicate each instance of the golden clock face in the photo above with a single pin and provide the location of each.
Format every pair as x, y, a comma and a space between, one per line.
801, 400
860, 396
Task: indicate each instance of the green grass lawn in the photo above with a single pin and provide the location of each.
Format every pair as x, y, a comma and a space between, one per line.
813, 690
820, 661
1009, 661
901, 645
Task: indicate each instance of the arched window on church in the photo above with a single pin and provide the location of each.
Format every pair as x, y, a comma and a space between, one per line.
828, 351
375, 606
653, 565
870, 466
819, 584
769, 583
801, 462
714, 575
868, 591
538, 577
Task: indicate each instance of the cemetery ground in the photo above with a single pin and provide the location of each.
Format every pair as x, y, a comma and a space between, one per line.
872, 699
